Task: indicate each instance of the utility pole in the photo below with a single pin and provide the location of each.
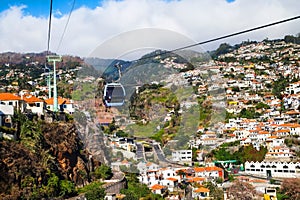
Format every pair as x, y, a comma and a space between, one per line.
54, 59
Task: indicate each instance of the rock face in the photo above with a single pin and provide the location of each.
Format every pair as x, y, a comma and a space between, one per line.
60, 153
66, 147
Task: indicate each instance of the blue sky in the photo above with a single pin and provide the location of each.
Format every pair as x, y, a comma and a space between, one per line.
41, 7
24, 23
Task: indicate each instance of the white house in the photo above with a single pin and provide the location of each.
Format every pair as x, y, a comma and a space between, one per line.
6, 114
12, 100
212, 172
273, 169
34, 104
65, 105
182, 156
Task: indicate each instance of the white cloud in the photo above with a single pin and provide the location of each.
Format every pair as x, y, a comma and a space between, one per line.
198, 20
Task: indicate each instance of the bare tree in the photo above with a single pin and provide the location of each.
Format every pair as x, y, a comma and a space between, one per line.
242, 191
291, 188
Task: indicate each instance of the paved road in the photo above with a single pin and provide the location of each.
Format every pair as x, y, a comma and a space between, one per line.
160, 154
140, 152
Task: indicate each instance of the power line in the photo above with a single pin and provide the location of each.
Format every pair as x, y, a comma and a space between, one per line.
63, 34
49, 27
222, 37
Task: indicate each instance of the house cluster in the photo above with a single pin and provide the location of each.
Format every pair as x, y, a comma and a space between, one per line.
173, 179
27, 103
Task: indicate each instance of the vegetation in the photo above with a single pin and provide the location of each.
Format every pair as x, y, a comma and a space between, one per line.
245, 153
214, 191
242, 190
93, 191
103, 172
41, 161
136, 190
290, 189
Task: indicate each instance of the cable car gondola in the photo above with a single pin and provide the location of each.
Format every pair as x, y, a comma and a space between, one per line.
114, 95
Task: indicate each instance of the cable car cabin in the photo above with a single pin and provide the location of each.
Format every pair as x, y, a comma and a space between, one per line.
114, 95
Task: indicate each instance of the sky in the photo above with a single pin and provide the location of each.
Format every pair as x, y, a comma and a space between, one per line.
24, 23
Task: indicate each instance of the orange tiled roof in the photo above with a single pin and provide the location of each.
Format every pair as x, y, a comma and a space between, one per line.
31, 99
197, 179
291, 125
201, 189
8, 96
157, 187
60, 100
202, 169
172, 179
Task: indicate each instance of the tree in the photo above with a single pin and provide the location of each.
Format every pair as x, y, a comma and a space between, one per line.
135, 190
214, 191
121, 133
67, 188
291, 188
95, 194
242, 191
103, 172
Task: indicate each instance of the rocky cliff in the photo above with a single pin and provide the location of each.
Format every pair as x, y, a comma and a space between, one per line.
48, 161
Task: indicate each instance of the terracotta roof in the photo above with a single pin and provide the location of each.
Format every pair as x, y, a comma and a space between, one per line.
199, 169
172, 179
201, 189
202, 169
31, 99
197, 179
8, 96
157, 187
60, 100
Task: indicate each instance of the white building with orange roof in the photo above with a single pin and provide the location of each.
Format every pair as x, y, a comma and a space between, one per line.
294, 128
279, 152
211, 172
263, 135
33, 104
65, 105
12, 100
157, 189
200, 193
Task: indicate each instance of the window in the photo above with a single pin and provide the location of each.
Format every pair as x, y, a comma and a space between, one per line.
252, 166
38, 104
285, 167
273, 166
285, 170
10, 103
262, 166
292, 171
